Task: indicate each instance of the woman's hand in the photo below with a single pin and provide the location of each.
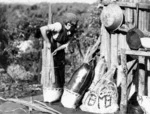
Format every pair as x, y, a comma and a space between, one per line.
54, 52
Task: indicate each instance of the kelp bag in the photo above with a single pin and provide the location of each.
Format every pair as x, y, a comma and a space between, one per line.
99, 71
52, 90
102, 99
76, 87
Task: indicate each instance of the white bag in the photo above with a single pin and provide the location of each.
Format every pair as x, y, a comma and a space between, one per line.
144, 102
52, 94
70, 99
102, 99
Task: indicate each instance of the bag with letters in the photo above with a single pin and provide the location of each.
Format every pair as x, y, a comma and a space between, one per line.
103, 97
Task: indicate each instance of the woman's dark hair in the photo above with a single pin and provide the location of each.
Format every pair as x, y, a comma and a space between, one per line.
37, 33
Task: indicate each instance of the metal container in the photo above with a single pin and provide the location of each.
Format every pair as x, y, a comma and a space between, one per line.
133, 38
77, 86
81, 79
145, 42
112, 17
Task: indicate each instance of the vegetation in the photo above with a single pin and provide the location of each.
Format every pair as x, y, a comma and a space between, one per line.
21, 22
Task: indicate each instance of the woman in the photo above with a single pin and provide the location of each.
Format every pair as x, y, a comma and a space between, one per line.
59, 35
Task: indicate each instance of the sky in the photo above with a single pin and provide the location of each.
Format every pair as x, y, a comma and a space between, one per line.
51, 1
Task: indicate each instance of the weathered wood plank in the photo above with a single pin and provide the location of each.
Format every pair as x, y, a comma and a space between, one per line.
47, 74
148, 76
114, 49
147, 21
141, 76
50, 19
139, 53
133, 5
106, 45
140, 20
123, 102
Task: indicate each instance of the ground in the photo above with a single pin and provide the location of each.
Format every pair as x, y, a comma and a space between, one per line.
24, 90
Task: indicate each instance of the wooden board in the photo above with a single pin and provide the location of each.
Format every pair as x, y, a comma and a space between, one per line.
139, 53
114, 49
133, 5
105, 45
47, 74
141, 76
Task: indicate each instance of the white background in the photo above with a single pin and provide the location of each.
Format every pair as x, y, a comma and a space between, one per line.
51, 1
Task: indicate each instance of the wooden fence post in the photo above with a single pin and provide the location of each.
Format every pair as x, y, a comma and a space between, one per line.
123, 103
105, 45
114, 49
148, 76
141, 76
47, 59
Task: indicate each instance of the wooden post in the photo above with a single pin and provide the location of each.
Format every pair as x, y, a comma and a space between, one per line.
148, 76
123, 103
140, 19
128, 20
47, 59
114, 49
122, 37
102, 46
105, 45
135, 17
129, 15
141, 76
147, 20
50, 19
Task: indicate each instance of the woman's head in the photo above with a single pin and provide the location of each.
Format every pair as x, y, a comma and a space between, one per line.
70, 21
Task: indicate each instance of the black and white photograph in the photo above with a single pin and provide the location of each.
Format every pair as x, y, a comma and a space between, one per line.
74, 56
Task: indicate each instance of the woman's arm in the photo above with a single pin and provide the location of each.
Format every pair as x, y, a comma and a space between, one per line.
43, 32
55, 27
64, 46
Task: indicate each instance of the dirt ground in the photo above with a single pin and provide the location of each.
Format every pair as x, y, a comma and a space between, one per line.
57, 106
24, 90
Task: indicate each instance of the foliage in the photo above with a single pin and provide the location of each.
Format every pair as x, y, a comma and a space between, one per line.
23, 22
3, 35
17, 72
3, 10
